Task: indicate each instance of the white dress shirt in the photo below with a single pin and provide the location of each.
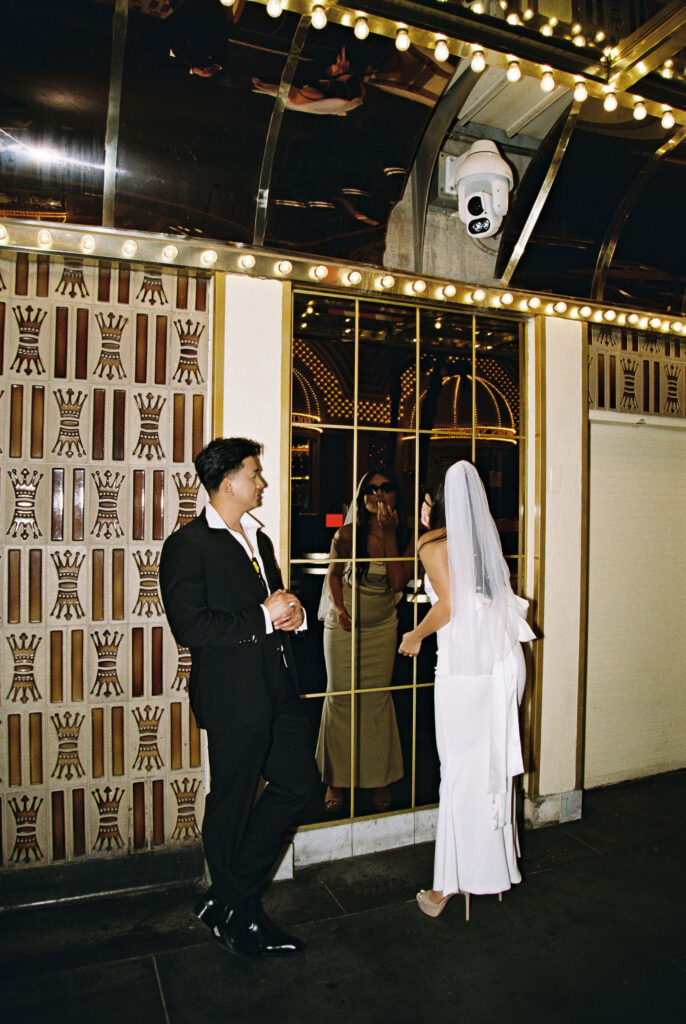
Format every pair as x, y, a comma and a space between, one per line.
250, 527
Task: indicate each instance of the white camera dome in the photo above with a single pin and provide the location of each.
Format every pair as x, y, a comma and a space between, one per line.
482, 180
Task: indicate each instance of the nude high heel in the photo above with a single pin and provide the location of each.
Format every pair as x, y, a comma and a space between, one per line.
431, 909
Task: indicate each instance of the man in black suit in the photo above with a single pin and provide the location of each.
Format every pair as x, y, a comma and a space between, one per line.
222, 592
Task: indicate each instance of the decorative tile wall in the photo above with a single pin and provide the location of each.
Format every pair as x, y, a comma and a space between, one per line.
103, 403
637, 372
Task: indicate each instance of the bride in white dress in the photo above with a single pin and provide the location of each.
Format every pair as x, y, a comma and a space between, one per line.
479, 623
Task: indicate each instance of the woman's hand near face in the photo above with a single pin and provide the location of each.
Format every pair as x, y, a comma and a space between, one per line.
387, 517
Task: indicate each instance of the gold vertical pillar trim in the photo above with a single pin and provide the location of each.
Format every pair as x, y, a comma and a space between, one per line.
78, 808
35, 585
158, 812
536, 697
98, 742
218, 351
14, 749
119, 25
117, 720
286, 418
522, 538
175, 757
474, 388
98, 585
417, 399
36, 748
138, 815
14, 585
59, 850
37, 420
585, 512
56, 666
353, 634
16, 420
77, 665
118, 583
193, 739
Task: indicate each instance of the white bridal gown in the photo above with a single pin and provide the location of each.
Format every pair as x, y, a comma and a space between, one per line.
477, 735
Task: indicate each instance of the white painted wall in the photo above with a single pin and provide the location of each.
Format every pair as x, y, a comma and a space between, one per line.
636, 690
257, 387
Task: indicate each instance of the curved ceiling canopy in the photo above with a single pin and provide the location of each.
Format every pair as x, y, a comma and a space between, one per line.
208, 119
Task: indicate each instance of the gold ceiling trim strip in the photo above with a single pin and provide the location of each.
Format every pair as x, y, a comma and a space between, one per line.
120, 20
660, 38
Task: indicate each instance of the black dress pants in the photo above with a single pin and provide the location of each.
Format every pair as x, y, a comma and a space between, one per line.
241, 838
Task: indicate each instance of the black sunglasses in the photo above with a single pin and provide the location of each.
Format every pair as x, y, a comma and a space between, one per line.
385, 488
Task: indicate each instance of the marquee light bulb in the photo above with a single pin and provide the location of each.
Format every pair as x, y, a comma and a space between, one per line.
274, 8
170, 252
655, 322
610, 314
478, 295
387, 281
246, 262
441, 50
640, 110
585, 311
633, 318
507, 298
610, 101
478, 60
668, 120
560, 307
580, 91
319, 18
418, 287
208, 257
88, 243
534, 302
402, 40
129, 248
448, 291
361, 28
547, 81
353, 277
283, 267
319, 272
514, 72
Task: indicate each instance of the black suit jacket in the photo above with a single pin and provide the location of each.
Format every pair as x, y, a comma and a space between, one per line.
212, 597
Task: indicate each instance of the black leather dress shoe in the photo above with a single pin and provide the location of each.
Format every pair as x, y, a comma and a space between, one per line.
229, 928
272, 940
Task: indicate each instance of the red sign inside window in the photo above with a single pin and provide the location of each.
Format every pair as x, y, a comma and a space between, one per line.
334, 519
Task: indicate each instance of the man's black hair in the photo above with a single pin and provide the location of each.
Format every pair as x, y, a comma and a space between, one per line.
222, 457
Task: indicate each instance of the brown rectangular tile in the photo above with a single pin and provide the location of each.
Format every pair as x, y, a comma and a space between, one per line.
158, 504
3, 314
35, 585
104, 279
78, 817
141, 361
98, 446
98, 742
61, 337
14, 585
138, 815
137, 662
56, 666
57, 505
37, 420
16, 420
193, 739
118, 425
21, 275
77, 504
77, 665
42, 275
198, 424
36, 748
176, 757
14, 749
158, 812
656, 387
58, 846
124, 284
117, 740
138, 529
201, 285
179, 428
157, 647
161, 323
182, 290
81, 356
98, 584
118, 584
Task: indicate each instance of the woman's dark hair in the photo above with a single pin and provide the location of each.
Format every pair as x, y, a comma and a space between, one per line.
363, 516
222, 457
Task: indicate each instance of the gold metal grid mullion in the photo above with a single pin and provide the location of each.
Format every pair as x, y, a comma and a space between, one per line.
353, 653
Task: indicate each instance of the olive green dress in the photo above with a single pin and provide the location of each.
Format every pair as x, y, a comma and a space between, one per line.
378, 757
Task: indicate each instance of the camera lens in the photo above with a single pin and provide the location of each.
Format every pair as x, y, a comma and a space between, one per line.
475, 206
479, 227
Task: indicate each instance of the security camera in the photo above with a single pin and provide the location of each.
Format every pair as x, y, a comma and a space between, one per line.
482, 181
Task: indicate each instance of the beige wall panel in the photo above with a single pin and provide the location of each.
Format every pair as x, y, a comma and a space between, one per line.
636, 693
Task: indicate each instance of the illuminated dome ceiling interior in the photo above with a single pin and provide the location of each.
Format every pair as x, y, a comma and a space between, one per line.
203, 119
